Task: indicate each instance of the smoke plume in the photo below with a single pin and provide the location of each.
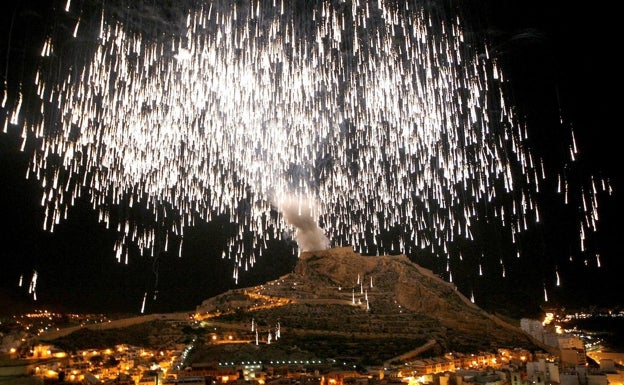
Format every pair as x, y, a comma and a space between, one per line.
298, 212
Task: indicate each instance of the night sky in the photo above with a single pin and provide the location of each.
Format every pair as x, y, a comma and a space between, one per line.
559, 61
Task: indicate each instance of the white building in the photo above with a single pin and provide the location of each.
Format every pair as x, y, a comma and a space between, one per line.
542, 371
570, 342
533, 328
581, 376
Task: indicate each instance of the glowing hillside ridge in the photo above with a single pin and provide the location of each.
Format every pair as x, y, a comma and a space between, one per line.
340, 293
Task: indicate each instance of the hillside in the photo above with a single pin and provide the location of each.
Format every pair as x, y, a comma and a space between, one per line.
374, 309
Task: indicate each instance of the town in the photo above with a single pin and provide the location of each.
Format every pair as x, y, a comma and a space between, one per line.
572, 358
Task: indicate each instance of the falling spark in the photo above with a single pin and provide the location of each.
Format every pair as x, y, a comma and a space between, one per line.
143, 303
574, 148
250, 106
33, 283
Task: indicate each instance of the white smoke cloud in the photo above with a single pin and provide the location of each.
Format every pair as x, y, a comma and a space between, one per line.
299, 213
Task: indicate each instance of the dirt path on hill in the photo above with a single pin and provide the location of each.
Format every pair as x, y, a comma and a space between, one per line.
412, 353
112, 324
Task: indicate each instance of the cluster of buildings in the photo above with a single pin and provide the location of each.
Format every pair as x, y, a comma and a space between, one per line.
123, 364
514, 367
571, 348
18, 330
565, 363
505, 367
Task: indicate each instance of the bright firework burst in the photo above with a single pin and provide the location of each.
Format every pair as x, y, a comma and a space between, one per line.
370, 117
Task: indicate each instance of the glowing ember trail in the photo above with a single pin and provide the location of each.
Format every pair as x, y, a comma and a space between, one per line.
383, 115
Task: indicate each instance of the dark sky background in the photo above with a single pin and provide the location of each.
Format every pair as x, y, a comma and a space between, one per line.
559, 59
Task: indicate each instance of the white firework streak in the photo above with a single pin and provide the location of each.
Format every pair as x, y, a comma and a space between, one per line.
381, 118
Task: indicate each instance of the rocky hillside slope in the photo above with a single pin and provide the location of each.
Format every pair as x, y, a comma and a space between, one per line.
336, 300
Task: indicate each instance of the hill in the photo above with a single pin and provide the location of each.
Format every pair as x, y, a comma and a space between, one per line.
338, 303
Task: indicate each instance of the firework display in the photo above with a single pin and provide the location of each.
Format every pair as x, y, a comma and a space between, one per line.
331, 121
